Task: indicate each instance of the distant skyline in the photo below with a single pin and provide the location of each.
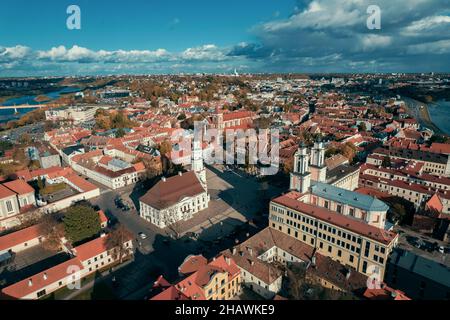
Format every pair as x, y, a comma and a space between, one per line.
251, 36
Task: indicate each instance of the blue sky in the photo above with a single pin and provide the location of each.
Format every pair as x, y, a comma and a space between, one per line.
156, 36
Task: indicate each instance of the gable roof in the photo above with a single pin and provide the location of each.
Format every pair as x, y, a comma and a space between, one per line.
19, 186
166, 193
41, 280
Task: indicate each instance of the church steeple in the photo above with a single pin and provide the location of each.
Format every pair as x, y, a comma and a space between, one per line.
318, 162
300, 179
197, 162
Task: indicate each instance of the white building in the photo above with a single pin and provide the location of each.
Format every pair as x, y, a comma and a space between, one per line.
179, 197
76, 114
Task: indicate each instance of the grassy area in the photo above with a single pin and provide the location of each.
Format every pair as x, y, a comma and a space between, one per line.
51, 188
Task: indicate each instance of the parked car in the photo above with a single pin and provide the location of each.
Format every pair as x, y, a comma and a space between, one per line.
142, 235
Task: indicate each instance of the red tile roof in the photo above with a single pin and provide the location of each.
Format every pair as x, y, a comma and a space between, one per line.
39, 281
166, 193
15, 238
91, 249
19, 186
5, 192
337, 219
102, 216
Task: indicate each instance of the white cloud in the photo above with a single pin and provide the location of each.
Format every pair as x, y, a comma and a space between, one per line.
8, 54
208, 52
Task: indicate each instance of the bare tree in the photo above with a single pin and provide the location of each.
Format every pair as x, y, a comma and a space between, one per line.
52, 231
116, 242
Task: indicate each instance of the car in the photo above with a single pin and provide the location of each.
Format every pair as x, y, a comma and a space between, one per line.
142, 235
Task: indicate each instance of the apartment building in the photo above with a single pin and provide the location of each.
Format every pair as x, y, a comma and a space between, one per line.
435, 158
87, 258
16, 197
347, 226
262, 259
218, 279
77, 115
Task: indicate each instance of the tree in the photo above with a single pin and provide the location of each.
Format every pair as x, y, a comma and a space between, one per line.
165, 147
386, 162
53, 231
80, 223
40, 184
116, 242
362, 126
25, 139
120, 133
398, 212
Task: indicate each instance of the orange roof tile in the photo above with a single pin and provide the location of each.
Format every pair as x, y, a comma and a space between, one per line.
41, 280
19, 186
15, 238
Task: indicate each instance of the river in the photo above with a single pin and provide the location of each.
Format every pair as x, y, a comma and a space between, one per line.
8, 114
440, 114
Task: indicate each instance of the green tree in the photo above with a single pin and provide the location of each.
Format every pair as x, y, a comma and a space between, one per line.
40, 183
362, 126
120, 133
80, 223
386, 162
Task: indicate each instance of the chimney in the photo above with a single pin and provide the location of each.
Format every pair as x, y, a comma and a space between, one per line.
234, 251
228, 260
180, 173
103, 234
45, 276
313, 261
250, 251
163, 179
30, 282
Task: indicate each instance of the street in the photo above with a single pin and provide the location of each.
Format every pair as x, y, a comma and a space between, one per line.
235, 201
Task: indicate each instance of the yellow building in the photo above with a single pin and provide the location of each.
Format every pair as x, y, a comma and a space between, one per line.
219, 279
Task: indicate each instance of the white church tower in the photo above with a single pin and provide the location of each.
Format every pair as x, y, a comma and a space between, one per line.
318, 162
301, 177
197, 162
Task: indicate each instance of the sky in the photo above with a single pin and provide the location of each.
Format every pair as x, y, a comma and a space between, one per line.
215, 36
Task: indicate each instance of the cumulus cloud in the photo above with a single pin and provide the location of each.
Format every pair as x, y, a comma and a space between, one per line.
325, 28
208, 52
318, 36
12, 54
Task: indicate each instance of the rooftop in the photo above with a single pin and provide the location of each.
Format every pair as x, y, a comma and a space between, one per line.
429, 269
345, 222
354, 199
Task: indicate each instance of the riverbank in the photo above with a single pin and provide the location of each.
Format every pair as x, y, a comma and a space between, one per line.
420, 112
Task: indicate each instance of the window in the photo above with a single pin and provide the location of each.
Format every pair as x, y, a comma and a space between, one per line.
321, 245
350, 258
329, 249
339, 253
9, 206
364, 267
304, 238
352, 212
41, 293
326, 204
367, 249
339, 208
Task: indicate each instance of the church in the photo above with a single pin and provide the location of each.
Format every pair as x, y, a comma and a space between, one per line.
177, 198
309, 178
